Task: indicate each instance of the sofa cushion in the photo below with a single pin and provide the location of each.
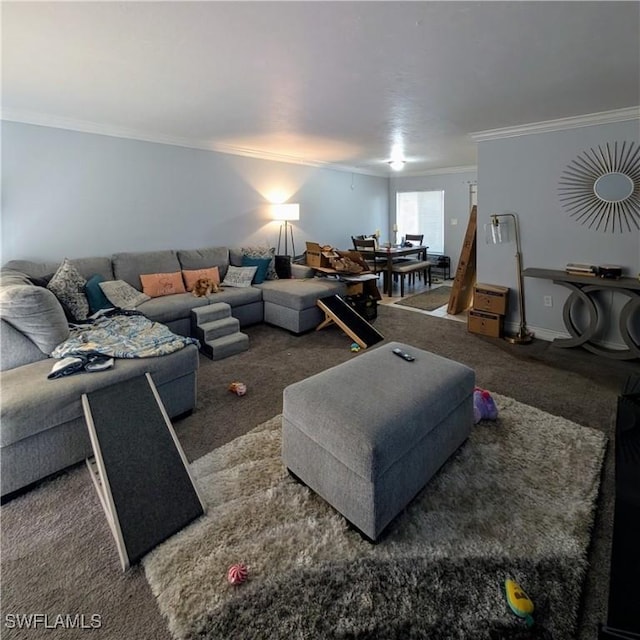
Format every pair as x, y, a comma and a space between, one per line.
95, 295
86, 266
205, 258
299, 294
35, 312
31, 403
263, 252
261, 263
128, 266
68, 286
191, 276
239, 276
156, 285
16, 349
122, 294
169, 308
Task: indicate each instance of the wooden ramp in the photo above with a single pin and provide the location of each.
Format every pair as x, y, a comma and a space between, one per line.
337, 311
139, 468
465, 278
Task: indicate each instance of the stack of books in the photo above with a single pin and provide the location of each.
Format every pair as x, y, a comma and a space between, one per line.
581, 269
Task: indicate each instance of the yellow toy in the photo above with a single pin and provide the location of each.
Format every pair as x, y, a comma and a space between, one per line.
518, 601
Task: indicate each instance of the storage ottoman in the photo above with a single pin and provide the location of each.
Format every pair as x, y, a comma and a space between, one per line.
368, 434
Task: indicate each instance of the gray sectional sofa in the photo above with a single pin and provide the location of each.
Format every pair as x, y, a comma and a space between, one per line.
42, 427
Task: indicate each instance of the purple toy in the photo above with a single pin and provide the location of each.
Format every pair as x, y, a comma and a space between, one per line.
484, 408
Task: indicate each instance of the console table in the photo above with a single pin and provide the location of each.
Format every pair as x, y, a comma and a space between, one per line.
582, 288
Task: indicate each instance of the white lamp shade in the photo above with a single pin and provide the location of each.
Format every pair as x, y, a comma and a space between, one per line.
285, 211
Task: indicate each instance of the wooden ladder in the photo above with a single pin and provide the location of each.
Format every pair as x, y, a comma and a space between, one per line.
462, 288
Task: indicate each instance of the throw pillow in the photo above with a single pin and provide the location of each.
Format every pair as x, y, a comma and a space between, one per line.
95, 295
68, 286
262, 265
263, 252
191, 276
162, 284
239, 276
36, 313
122, 295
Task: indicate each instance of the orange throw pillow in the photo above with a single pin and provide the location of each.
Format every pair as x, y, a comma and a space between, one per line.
191, 276
162, 284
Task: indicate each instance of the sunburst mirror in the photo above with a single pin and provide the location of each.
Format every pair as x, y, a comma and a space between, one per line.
601, 187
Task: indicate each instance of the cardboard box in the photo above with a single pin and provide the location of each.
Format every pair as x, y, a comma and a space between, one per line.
491, 298
355, 289
316, 257
484, 323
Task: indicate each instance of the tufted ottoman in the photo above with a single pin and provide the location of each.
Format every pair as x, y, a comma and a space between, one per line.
368, 434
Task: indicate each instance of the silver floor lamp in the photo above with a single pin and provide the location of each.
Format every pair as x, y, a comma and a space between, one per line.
523, 336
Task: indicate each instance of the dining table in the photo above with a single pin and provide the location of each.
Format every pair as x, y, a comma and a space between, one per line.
391, 253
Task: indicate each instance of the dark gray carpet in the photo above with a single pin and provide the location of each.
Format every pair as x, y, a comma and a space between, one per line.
57, 553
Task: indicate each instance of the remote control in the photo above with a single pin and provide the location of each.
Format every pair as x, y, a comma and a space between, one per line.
405, 356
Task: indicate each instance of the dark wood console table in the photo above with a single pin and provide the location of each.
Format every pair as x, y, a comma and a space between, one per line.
581, 288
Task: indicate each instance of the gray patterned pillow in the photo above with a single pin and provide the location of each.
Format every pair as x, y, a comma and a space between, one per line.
121, 294
239, 276
68, 286
263, 252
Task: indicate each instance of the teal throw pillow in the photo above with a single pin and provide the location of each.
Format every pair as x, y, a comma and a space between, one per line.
261, 271
95, 295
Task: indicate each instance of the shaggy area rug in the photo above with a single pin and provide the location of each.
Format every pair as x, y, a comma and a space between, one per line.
516, 500
427, 300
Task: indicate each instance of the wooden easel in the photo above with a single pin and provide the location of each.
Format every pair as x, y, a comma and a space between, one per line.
463, 283
337, 311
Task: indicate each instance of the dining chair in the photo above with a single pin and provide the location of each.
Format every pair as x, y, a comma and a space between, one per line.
416, 239
368, 245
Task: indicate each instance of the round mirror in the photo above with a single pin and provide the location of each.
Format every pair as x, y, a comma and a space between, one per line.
613, 187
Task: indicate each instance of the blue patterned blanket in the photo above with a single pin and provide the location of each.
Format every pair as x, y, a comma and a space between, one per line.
122, 336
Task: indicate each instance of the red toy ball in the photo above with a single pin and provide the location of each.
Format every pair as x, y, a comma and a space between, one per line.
237, 573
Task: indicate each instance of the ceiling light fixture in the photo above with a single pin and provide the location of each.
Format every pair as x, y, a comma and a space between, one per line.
397, 165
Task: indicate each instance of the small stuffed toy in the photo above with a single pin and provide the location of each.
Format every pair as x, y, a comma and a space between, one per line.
484, 408
239, 388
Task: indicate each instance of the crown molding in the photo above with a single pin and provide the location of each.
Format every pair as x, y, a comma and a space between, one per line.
436, 172
86, 126
574, 122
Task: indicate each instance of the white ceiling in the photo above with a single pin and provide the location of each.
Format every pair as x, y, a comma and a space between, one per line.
335, 83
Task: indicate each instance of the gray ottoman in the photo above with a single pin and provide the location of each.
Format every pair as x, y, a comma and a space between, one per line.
368, 434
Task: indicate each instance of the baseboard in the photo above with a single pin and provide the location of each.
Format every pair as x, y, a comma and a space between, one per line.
549, 335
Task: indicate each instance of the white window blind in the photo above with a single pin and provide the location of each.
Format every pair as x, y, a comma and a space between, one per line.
422, 212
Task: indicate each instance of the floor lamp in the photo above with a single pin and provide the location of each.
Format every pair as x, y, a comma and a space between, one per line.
286, 213
523, 336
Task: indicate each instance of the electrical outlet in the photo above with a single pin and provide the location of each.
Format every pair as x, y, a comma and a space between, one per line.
548, 301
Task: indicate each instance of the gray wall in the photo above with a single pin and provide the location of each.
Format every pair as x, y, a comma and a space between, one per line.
520, 175
456, 204
66, 193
